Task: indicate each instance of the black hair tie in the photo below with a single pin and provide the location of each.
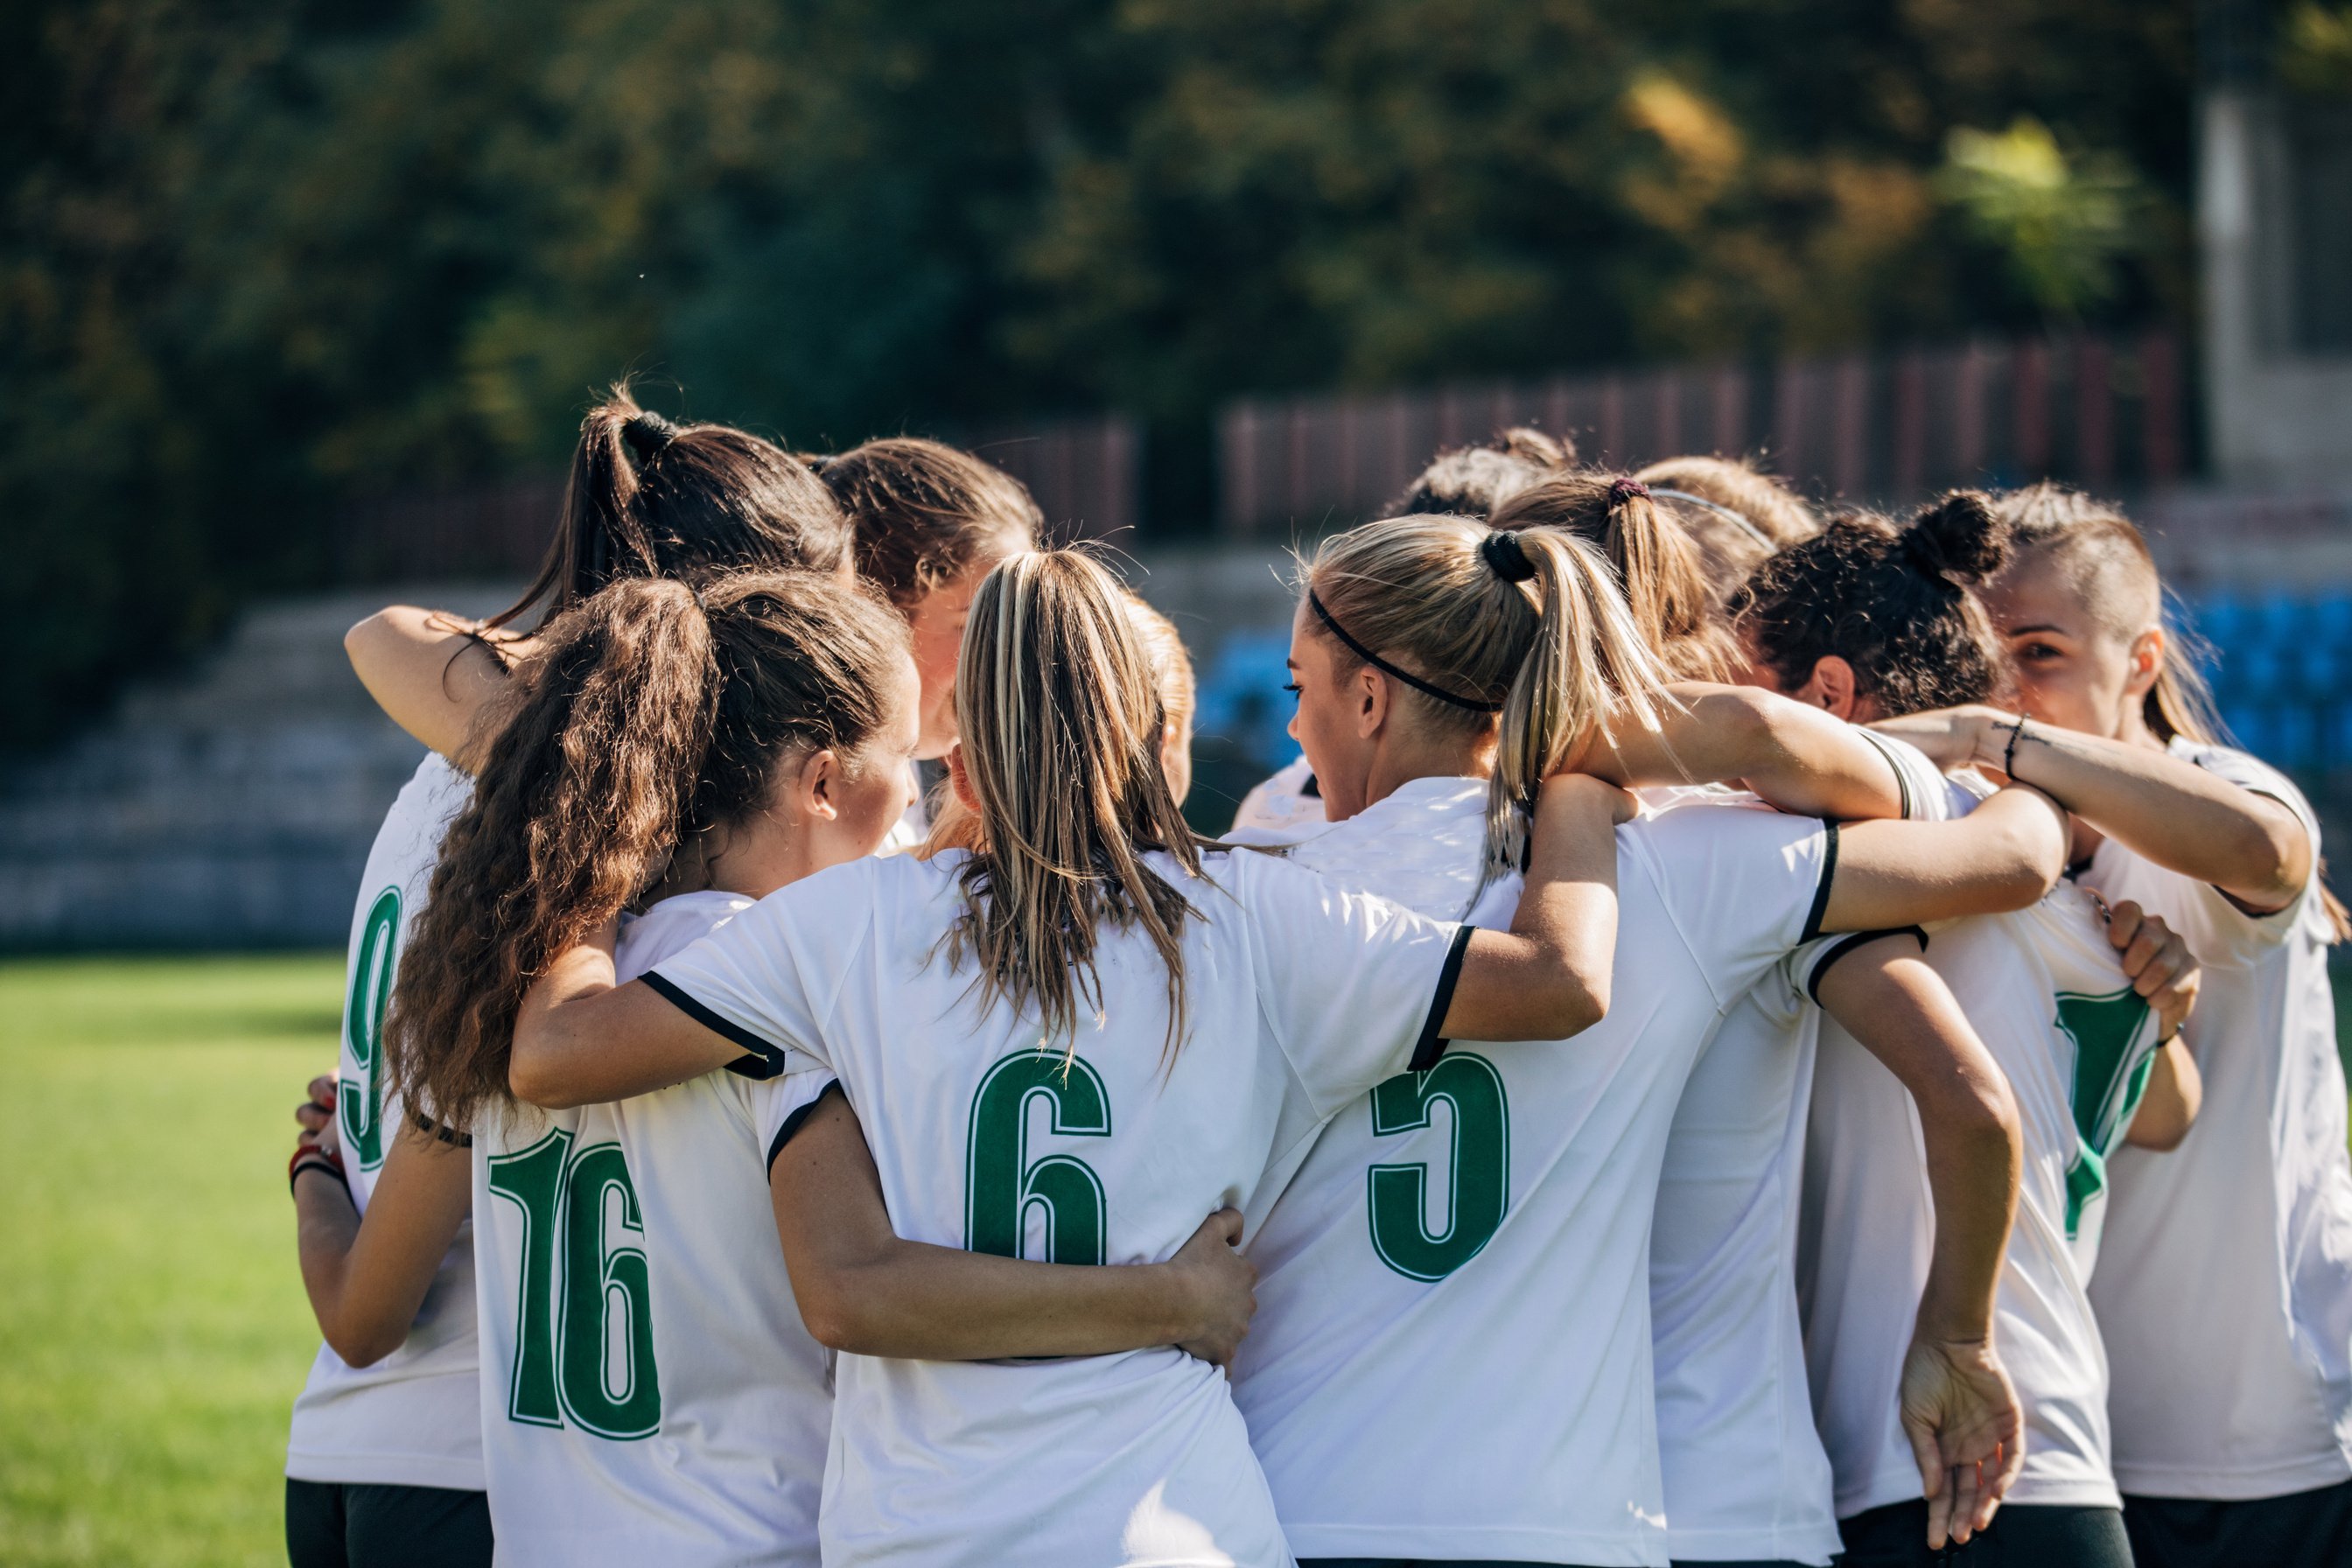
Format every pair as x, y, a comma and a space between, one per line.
1505, 556
647, 433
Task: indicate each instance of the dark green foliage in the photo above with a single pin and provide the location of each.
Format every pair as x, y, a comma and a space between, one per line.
260, 256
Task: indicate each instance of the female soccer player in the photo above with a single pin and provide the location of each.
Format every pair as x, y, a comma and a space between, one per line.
1059, 1043
1871, 621
1746, 1479
2224, 1289
384, 1458
655, 1396
1414, 632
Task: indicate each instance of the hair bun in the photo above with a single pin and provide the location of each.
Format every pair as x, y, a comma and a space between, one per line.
1959, 537
647, 433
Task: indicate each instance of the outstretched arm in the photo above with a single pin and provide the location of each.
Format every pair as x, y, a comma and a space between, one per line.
2176, 813
2004, 855
1960, 1409
1801, 759
862, 1288
430, 671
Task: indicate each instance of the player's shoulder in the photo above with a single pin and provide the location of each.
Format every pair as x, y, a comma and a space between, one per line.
2246, 771
670, 927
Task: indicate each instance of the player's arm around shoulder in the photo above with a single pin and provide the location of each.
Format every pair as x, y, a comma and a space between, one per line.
1548, 977
2003, 856
581, 1039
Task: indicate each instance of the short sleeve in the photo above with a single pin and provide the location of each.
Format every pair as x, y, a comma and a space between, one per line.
1743, 885
2257, 777
780, 1105
1925, 796
1352, 986
767, 979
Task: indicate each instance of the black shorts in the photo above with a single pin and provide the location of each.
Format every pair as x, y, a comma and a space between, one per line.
337, 1524
2023, 1535
2302, 1530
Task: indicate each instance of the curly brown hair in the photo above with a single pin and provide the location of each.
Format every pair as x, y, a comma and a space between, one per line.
1896, 602
653, 714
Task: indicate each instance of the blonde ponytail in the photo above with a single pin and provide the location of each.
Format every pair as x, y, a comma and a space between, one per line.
1061, 722
1660, 570
1474, 624
1587, 670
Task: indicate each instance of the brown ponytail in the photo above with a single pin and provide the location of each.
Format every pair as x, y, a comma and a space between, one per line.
1895, 603
648, 719
650, 499
1657, 566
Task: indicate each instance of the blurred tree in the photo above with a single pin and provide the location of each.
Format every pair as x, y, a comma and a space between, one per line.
259, 255
2064, 227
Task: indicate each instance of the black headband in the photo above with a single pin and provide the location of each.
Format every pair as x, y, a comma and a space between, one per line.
1385, 668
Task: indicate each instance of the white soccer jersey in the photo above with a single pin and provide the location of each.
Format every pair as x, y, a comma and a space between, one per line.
2047, 994
649, 1393
1299, 999
1452, 1351
1283, 804
1746, 1475
413, 1418
2225, 1292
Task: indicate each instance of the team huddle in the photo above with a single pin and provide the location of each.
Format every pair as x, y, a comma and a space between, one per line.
1743, 1038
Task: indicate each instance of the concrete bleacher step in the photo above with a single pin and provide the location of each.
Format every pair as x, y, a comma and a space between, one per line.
228, 805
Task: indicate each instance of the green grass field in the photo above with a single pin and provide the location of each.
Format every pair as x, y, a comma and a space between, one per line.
153, 1330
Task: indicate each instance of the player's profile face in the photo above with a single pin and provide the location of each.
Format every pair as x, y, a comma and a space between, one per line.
1324, 722
2071, 671
936, 622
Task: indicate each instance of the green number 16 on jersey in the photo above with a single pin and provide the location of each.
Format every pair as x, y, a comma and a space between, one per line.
583, 1327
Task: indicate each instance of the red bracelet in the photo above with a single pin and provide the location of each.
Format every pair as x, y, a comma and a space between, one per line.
310, 1156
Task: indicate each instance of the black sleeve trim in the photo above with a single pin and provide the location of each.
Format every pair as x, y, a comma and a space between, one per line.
1432, 1044
793, 1122
765, 1061
1902, 774
1821, 894
1845, 945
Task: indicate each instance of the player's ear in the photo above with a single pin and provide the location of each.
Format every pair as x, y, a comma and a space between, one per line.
960, 781
1371, 693
817, 787
2147, 651
1831, 685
